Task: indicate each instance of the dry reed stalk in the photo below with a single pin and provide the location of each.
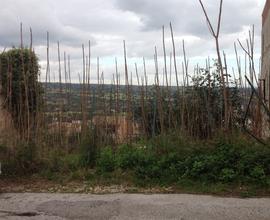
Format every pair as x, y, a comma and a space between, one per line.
176, 77
159, 98
146, 101
174, 57
48, 69
142, 100
249, 55
67, 94
238, 60
215, 35
26, 111
227, 82
88, 77
170, 119
98, 85
185, 63
170, 73
117, 107
132, 105
128, 97
113, 97
145, 78
249, 51
83, 100
60, 112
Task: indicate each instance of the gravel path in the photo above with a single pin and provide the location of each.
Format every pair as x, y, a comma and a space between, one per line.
130, 206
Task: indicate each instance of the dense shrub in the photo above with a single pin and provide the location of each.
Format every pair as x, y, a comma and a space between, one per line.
224, 162
128, 156
221, 162
89, 149
106, 161
21, 160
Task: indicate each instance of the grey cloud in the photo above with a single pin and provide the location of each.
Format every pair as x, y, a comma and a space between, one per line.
108, 22
187, 16
41, 17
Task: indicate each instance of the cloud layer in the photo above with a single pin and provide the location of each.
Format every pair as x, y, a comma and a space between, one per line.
108, 22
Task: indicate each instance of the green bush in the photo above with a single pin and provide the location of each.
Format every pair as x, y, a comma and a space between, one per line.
22, 160
224, 162
128, 156
89, 149
54, 162
106, 161
227, 175
147, 167
72, 162
258, 173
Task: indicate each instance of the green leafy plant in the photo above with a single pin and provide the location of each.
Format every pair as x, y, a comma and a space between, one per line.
106, 161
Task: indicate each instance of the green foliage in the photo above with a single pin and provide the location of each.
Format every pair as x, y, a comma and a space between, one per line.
128, 156
147, 167
21, 160
3, 150
26, 156
106, 161
223, 162
227, 175
89, 149
72, 162
258, 173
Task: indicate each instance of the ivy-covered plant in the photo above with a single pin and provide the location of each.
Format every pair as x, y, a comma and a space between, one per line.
20, 89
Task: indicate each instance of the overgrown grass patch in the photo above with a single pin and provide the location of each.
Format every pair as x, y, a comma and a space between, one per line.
218, 166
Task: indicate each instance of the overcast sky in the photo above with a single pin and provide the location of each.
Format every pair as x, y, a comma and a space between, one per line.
108, 22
